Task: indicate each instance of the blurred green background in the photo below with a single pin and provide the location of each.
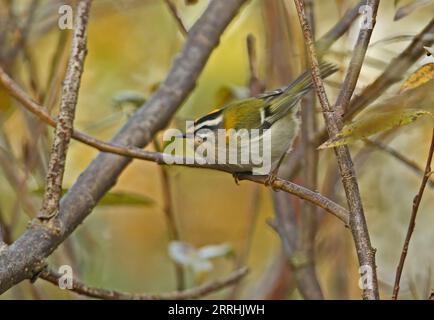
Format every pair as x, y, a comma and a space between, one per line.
131, 47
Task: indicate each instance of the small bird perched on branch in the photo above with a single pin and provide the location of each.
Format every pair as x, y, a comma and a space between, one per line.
262, 127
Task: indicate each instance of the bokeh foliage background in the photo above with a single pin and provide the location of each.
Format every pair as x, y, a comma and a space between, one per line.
122, 246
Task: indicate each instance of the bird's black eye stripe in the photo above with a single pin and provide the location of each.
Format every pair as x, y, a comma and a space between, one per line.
210, 116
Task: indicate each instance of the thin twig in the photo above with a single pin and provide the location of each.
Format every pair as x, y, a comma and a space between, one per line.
174, 11
339, 29
24, 31
393, 73
358, 225
255, 84
357, 58
166, 191
193, 293
400, 157
64, 126
416, 202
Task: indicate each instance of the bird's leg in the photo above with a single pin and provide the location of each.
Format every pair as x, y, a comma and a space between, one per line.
235, 175
272, 176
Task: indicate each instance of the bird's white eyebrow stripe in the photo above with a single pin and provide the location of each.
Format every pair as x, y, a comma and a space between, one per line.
210, 123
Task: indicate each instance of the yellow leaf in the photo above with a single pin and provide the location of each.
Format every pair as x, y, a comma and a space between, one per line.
373, 123
419, 77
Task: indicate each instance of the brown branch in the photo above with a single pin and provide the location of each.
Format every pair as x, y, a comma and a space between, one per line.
256, 87
68, 103
305, 194
400, 157
358, 56
305, 273
25, 256
416, 202
255, 84
339, 29
166, 191
193, 293
358, 225
174, 11
394, 71
392, 74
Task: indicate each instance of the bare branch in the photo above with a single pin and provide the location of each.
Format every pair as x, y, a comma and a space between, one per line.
255, 84
358, 225
64, 126
339, 29
394, 71
166, 191
304, 244
400, 157
305, 194
193, 293
174, 11
26, 255
358, 56
416, 202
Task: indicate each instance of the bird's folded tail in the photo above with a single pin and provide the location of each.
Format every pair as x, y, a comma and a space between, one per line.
304, 82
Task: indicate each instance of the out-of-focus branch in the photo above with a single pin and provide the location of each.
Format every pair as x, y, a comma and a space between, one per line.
174, 11
416, 202
304, 243
394, 72
26, 255
100, 293
166, 191
359, 229
64, 125
339, 29
400, 157
255, 84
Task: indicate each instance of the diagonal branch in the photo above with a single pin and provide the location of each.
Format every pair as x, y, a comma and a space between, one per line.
416, 203
394, 71
68, 103
25, 257
359, 229
193, 293
174, 11
358, 55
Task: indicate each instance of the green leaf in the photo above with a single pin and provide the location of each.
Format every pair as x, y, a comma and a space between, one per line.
115, 198
372, 123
